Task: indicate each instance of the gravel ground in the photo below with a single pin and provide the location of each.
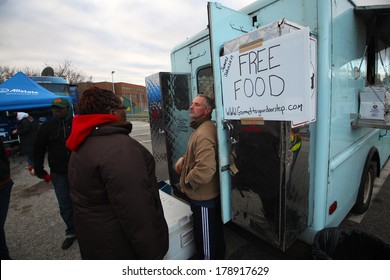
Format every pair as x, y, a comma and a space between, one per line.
34, 228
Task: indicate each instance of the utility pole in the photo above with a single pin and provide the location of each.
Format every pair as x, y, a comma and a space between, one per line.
112, 76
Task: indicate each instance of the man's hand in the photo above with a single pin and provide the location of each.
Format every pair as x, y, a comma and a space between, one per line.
179, 165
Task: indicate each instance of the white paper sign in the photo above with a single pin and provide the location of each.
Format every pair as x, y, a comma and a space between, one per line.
271, 81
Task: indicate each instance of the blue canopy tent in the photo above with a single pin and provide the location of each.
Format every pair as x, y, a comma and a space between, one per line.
20, 92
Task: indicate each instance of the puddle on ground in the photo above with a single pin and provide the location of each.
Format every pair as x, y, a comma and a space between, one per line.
26, 209
35, 190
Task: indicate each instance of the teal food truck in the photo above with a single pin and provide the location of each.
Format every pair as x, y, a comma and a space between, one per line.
302, 93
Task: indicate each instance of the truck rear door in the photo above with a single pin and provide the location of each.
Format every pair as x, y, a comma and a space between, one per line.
263, 164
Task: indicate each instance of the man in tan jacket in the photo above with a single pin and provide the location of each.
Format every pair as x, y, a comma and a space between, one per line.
199, 180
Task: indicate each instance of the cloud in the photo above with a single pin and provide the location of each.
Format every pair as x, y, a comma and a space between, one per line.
132, 37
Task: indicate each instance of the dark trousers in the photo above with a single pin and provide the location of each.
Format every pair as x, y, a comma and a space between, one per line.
208, 229
5, 195
61, 189
29, 156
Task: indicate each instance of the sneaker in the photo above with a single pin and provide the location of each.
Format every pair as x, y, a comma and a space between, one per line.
31, 170
68, 242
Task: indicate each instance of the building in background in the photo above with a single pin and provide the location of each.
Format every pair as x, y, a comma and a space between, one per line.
133, 96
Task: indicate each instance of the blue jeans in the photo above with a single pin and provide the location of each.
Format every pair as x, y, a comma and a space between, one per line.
61, 189
5, 194
29, 156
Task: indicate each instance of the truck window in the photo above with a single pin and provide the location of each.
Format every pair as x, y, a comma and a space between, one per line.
377, 21
377, 63
383, 62
58, 89
205, 81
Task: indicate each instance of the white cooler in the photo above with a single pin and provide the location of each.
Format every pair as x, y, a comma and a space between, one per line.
179, 219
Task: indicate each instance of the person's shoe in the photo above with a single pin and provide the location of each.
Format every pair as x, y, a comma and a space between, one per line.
31, 170
68, 242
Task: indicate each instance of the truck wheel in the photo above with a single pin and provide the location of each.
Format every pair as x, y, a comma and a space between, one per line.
365, 190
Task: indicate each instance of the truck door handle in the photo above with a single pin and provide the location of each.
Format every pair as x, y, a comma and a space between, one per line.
230, 127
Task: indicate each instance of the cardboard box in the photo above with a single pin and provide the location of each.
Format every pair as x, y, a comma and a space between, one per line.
179, 219
372, 104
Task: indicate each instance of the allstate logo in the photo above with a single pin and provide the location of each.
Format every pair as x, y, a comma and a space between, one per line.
4, 90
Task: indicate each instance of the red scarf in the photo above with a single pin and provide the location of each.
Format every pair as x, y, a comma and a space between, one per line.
83, 125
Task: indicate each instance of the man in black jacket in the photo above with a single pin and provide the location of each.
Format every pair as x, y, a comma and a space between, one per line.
6, 184
52, 137
27, 129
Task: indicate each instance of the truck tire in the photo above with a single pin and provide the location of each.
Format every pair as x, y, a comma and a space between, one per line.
365, 189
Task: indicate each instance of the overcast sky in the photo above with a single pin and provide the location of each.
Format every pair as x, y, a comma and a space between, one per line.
131, 37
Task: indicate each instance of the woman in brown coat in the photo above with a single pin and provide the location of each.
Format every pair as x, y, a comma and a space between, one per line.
117, 209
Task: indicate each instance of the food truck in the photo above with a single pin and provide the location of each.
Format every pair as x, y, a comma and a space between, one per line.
302, 91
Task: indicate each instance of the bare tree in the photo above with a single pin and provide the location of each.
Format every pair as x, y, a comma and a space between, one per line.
67, 69
63, 69
30, 72
6, 72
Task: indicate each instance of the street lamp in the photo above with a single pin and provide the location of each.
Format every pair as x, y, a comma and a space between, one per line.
112, 75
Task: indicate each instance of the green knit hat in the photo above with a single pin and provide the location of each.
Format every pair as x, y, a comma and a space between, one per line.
60, 102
